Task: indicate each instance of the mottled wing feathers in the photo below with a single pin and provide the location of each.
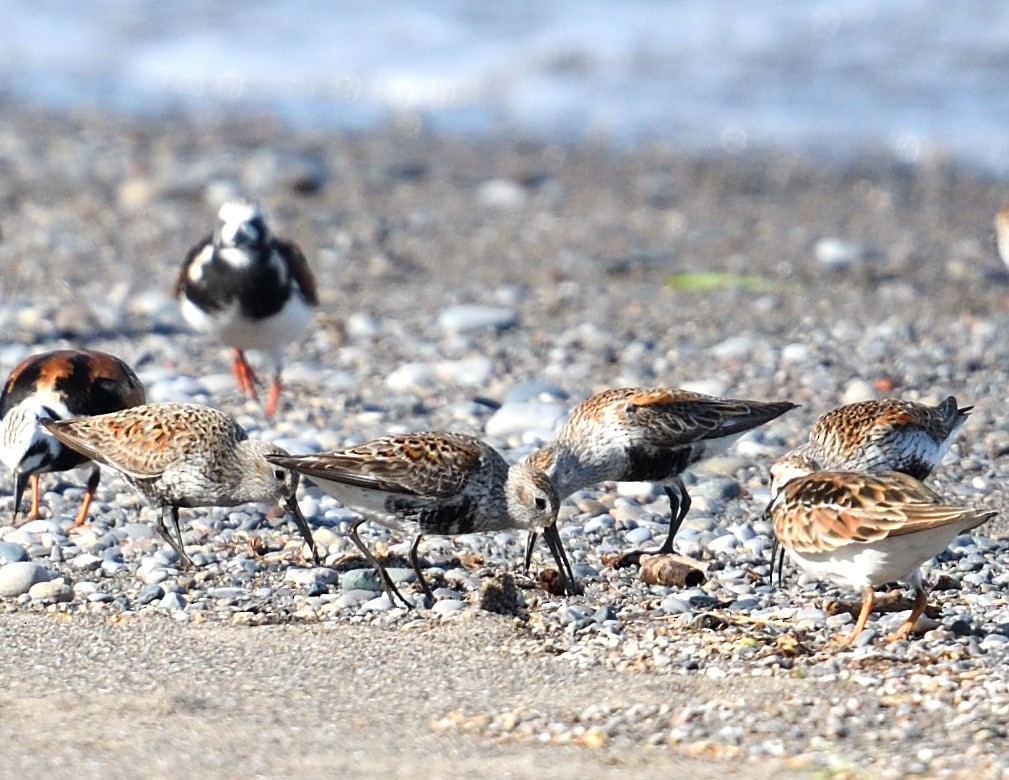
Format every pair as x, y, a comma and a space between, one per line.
670, 418
300, 270
830, 510
435, 465
144, 441
874, 420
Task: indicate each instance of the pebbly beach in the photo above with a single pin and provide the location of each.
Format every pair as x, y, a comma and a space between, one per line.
486, 286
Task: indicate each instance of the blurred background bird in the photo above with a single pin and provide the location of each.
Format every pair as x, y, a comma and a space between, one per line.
248, 289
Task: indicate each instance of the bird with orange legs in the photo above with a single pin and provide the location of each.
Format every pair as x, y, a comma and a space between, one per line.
57, 386
250, 290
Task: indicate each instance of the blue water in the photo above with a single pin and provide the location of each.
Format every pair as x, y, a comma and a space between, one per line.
923, 79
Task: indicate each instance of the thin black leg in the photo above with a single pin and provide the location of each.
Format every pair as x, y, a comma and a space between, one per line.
679, 505
530, 546
553, 539
306, 532
415, 562
173, 513
383, 576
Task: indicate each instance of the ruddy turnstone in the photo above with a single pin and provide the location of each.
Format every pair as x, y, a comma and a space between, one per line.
184, 455
646, 435
57, 385
865, 530
873, 436
249, 289
435, 483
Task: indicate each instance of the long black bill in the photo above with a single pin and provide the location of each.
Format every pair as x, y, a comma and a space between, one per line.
306, 532
530, 546
553, 539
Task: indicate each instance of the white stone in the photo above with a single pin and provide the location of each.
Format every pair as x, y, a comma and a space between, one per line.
410, 376
17, 578
858, 390
501, 194
520, 417
476, 370
465, 317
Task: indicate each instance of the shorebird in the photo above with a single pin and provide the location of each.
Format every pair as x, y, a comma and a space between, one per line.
184, 455
647, 435
434, 483
865, 530
873, 436
249, 289
57, 385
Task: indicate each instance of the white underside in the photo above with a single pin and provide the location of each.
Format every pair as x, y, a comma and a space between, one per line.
369, 503
270, 335
894, 559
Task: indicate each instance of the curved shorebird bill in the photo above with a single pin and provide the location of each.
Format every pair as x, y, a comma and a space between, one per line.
553, 540
294, 508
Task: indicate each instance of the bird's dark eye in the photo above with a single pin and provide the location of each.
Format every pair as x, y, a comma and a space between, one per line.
541, 503
280, 475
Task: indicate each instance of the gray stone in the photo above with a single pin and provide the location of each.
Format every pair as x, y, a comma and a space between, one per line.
149, 593
86, 562
173, 601
227, 593
17, 578
447, 607
380, 604
399, 574
638, 536
13, 553
54, 590
717, 488
360, 579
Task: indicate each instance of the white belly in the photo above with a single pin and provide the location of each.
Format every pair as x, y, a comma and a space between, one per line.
896, 558
271, 334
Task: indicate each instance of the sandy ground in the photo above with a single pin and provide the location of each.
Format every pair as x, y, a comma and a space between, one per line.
88, 698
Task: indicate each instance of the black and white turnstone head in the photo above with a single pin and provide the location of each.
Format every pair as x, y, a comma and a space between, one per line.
647, 435
249, 289
55, 386
864, 530
883, 435
435, 483
184, 455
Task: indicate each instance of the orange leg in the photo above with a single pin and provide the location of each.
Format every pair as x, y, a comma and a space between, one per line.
33, 513
867, 601
88, 497
919, 607
36, 481
244, 374
271, 399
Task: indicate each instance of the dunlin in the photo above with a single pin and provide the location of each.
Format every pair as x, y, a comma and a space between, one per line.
865, 530
885, 435
58, 385
249, 289
435, 483
873, 436
647, 435
184, 455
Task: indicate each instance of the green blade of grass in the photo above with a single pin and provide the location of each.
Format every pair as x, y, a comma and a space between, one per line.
704, 281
